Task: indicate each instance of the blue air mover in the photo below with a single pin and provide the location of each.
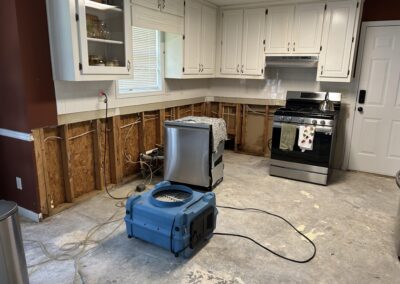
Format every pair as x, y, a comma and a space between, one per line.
173, 217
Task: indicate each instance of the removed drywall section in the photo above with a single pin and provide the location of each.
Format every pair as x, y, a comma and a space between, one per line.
76, 97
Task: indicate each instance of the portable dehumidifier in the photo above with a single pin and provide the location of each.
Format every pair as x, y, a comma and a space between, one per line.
173, 217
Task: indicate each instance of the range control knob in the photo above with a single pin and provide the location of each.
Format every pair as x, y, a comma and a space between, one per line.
322, 122
314, 122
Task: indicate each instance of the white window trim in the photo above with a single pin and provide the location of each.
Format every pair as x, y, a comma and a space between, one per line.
150, 93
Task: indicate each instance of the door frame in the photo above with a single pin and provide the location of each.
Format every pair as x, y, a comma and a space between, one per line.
356, 88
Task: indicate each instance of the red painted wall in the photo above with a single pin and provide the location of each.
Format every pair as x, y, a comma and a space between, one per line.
27, 99
381, 10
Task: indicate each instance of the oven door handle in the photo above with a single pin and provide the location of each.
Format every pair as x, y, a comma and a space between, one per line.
320, 129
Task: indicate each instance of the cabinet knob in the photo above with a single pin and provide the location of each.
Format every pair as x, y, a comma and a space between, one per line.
242, 68
237, 68
128, 65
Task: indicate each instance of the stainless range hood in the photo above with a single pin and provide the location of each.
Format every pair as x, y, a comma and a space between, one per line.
292, 61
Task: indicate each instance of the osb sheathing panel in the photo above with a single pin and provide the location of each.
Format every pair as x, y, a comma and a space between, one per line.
52, 148
129, 143
185, 111
151, 129
198, 109
214, 109
82, 158
102, 143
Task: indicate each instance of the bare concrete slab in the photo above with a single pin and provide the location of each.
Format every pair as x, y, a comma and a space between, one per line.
352, 222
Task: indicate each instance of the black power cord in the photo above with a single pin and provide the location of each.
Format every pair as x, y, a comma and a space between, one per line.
105, 151
264, 247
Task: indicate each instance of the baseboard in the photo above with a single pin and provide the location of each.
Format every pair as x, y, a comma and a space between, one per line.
35, 217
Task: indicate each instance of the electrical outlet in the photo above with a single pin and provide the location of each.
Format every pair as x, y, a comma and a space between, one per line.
19, 183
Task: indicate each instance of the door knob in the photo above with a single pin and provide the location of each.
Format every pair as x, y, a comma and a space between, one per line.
360, 109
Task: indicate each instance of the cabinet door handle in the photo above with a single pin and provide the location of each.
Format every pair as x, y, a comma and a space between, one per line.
288, 46
163, 6
237, 68
128, 65
242, 68
322, 69
159, 4
199, 67
202, 68
294, 46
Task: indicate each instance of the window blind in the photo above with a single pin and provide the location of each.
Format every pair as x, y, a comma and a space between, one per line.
146, 63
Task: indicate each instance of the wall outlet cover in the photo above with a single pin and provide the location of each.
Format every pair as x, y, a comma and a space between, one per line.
19, 183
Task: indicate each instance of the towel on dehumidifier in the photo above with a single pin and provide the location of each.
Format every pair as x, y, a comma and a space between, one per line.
306, 137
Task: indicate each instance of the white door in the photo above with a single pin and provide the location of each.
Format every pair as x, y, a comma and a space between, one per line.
208, 39
174, 7
307, 28
253, 37
232, 29
192, 37
375, 145
152, 4
279, 29
337, 38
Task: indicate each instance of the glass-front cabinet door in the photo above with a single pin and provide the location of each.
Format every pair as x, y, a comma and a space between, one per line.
104, 36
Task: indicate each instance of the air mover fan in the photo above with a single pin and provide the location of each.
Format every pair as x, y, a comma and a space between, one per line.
173, 217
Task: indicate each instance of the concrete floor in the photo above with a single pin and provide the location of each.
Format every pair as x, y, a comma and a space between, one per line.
352, 222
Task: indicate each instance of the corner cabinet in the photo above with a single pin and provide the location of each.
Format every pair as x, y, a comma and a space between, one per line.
90, 40
338, 45
294, 29
242, 44
192, 55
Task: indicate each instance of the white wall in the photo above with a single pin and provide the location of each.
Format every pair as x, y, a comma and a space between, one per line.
75, 97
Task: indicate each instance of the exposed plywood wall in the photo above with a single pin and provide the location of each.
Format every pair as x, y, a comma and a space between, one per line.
82, 157
70, 158
129, 143
52, 155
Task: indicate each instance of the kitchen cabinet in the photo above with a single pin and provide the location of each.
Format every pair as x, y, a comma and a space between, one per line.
89, 40
294, 29
193, 54
173, 7
340, 29
242, 43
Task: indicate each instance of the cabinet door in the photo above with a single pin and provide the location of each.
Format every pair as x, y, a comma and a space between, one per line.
279, 29
208, 39
337, 39
174, 7
253, 36
152, 4
307, 28
192, 37
113, 48
231, 51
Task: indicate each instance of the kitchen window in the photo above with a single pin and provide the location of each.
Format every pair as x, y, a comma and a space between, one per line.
147, 64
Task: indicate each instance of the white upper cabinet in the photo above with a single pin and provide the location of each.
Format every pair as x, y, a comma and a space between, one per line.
90, 40
253, 47
152, 4
338, 41
193, 37
307, 28
294, 29
208, 39
242, 44
174, 7
231, 51
193, 54
279, 29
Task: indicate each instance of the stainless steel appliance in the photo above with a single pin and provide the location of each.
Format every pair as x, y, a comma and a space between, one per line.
12, 256
303, 108
189, 155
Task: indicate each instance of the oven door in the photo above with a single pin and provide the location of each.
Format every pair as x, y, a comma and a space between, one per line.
318, 156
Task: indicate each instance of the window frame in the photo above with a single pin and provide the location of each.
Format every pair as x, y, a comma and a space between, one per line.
162, 76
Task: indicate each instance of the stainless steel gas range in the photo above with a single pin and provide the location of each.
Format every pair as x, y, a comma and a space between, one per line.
302, 121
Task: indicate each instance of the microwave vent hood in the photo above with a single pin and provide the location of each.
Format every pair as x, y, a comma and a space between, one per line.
292, 61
